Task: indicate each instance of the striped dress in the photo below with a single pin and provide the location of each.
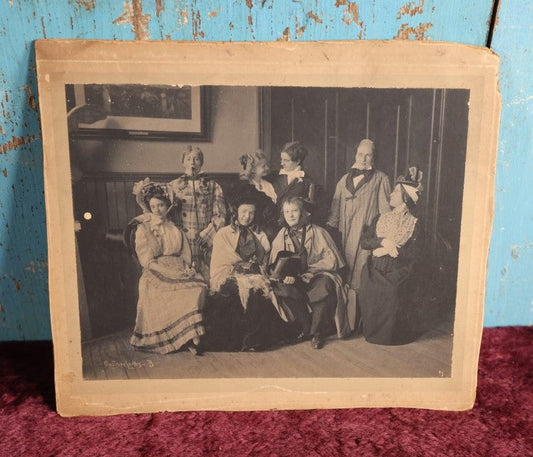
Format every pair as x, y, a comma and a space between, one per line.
171, 294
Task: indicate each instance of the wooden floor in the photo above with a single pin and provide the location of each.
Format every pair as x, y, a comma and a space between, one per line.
112, 357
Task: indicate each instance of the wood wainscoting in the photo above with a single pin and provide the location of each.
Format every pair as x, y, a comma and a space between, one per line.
104, 204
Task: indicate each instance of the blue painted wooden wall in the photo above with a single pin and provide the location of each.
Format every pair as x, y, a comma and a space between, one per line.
23, 256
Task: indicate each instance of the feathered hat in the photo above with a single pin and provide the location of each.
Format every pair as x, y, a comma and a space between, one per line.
145, 190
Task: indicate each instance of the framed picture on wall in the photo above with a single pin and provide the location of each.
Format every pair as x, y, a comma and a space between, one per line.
351, 274
148, 112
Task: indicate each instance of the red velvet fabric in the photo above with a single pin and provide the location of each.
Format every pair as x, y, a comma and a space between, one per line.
499, 425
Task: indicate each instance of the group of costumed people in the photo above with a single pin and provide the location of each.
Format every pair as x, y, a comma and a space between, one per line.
258, 268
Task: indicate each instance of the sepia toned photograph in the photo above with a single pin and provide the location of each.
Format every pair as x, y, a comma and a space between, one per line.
272, 240
204, 271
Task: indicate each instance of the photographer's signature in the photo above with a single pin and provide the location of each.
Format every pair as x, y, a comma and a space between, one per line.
132, 365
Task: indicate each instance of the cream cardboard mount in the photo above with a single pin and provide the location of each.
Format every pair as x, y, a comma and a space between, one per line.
261, 382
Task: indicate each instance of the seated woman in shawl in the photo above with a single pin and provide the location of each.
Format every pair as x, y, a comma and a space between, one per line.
254, 169
316, 281
171, 292
388, 287
242, 312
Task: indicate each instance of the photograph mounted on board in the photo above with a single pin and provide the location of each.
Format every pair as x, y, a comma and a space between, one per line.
151, 112
325, 246
405, 296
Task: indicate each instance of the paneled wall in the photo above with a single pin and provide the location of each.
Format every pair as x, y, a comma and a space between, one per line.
426, 127
109, 200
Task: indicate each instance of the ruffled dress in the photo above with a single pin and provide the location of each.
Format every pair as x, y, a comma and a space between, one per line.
171, 293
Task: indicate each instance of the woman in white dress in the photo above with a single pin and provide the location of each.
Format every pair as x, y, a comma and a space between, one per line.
171, 292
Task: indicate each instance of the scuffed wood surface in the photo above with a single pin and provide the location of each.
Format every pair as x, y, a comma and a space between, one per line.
23, 268
509, 299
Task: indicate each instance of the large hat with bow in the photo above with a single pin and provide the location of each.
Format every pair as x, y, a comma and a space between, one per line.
145, 190
411, 182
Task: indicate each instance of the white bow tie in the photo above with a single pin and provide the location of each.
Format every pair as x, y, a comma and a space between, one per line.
292, 175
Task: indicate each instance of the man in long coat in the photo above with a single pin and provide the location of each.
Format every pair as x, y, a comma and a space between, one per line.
360, 195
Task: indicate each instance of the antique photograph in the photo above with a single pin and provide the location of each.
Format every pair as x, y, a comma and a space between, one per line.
317, 234
279, 228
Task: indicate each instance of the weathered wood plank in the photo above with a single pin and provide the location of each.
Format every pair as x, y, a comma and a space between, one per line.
509, 286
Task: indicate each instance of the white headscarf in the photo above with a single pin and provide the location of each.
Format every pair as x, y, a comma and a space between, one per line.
411, 191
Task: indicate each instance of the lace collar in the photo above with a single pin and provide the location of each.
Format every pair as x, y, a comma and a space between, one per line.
397, 225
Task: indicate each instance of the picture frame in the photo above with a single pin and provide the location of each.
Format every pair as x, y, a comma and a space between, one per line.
254, 70
148, 112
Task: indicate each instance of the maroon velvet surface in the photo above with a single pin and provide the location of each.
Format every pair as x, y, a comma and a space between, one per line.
500, 424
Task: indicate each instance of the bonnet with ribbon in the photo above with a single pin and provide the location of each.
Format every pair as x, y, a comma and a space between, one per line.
144, 190
411, 182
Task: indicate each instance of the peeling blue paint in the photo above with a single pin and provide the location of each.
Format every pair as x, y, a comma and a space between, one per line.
512, 244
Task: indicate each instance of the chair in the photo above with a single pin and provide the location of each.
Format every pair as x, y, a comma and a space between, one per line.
129, 242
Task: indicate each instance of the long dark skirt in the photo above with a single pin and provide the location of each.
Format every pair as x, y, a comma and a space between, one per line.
386, 303
228, 327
